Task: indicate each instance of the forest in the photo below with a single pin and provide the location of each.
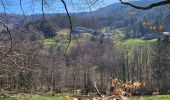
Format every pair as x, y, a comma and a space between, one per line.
117, 52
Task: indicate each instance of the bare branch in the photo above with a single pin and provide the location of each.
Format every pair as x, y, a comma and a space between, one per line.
91, 14
3, 6
42, 9
9, 33
71, 27
147, 7
23, 11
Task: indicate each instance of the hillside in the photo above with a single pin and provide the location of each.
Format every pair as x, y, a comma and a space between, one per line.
115, 15
113, 53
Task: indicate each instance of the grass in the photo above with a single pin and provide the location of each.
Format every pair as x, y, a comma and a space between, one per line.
139, 41
63, 41
138, 46
59, 97
135, 42
103, 29
35, 97
55, 41
49, 41
118, 35
156, 97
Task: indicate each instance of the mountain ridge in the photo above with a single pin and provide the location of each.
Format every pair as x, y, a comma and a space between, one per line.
114, 15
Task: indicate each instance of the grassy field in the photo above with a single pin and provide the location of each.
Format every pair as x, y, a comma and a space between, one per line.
156, 97
58, 97
34, 97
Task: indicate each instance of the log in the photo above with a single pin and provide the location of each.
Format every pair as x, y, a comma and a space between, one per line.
97, 90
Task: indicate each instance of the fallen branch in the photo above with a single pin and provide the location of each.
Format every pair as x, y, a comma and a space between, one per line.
97, 90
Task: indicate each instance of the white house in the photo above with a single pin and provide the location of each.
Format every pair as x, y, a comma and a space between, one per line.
106, 35
166, 33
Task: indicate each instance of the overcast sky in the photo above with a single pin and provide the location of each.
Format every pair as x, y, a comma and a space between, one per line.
12, 6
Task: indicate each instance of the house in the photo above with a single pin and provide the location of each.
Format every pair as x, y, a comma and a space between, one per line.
166, 33
151, 36
106, 35
80, 30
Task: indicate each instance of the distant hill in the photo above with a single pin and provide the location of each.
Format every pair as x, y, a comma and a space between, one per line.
12, 20
115, 15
